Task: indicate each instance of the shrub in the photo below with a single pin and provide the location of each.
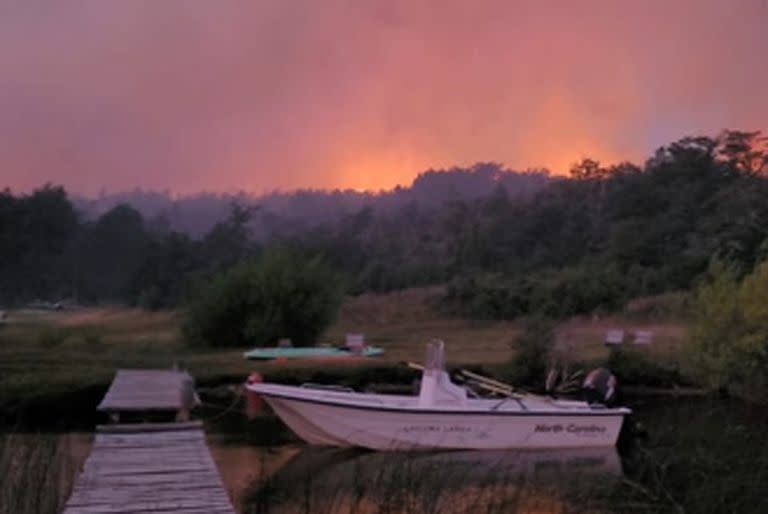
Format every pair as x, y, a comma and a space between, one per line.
532, 352
278, 295
730, 332
555, 293
633, 367
580, 289
489, 296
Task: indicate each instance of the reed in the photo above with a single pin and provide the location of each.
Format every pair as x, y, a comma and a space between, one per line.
38, 472
417, 483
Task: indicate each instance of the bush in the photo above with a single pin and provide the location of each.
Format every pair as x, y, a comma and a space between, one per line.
581, 289
633, 367
730, 333
533, 349
279, 295
489, 296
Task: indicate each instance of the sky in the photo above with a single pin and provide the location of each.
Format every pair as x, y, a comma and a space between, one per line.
262, 95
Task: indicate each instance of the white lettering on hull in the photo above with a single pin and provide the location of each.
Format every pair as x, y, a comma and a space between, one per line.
445, 429
571, 428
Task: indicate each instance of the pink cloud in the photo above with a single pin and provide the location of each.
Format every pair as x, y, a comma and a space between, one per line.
192, 95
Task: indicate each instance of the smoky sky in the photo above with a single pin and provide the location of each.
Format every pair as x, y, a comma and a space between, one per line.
256, 95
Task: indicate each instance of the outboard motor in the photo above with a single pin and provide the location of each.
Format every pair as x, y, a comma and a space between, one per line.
600, 386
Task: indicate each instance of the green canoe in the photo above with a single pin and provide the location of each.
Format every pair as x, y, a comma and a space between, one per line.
310, 352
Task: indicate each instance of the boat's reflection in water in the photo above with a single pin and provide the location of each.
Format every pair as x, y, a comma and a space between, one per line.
338, 480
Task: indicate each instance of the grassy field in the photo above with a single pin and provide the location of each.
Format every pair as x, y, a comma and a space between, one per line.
46, 354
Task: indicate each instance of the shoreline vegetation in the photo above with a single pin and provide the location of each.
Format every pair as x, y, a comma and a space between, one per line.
55, 366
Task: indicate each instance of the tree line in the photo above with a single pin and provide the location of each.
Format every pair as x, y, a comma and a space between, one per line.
50, 253
506, 243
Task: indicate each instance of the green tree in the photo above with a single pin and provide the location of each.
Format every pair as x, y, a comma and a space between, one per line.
229, 241
109, 253
281, 294
36, 232
745, 152
170, 261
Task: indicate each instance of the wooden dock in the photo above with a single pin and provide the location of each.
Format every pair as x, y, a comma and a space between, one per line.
151, 390
148, 467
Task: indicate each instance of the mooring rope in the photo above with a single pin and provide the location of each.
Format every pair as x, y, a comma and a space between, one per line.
228, 409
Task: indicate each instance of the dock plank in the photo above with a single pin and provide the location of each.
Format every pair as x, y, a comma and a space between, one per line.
155, 471
140, 390
149, 467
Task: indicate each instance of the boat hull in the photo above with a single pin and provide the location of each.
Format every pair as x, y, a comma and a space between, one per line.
324, 423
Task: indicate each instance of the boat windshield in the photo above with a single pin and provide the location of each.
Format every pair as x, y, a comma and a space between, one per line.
435, 358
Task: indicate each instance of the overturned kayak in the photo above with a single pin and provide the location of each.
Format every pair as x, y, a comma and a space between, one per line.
442, 416
312, 352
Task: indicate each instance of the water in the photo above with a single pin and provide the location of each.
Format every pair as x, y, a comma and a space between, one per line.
321, 480
699, 456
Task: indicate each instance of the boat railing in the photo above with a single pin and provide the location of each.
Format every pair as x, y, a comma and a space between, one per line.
341, 389
328, 387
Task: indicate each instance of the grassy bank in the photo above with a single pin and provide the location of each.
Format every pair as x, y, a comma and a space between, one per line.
55, 363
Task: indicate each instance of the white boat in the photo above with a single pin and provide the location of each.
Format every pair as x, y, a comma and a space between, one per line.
442, 416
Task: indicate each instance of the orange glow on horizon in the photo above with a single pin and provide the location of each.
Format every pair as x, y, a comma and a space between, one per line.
269, 95
374, 173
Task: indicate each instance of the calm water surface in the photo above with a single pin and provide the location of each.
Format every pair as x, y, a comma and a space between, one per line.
698, 456
304, 479
691, 455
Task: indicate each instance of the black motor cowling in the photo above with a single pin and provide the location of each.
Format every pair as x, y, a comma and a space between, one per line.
600, 386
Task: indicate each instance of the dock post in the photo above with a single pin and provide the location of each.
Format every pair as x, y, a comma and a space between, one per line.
187, 391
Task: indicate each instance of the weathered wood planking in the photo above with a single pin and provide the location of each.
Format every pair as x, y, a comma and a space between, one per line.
149, 390
166, 468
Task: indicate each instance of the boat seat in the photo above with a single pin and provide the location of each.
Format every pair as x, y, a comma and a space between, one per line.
447, 391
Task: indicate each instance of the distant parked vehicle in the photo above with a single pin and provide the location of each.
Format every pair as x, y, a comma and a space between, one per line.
46, 306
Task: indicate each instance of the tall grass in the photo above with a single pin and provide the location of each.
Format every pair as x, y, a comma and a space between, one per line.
38, 472
419, 483
78, 349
